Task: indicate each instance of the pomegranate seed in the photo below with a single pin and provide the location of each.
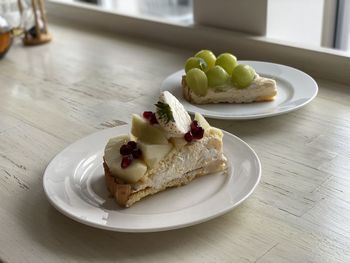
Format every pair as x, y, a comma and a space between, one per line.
147, 114
126, 161
194, 125
125, 149
188, 136
132, 145
136, 153
198, 133
195, 129
153, 119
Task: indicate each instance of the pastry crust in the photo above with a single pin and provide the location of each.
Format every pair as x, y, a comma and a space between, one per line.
125, 197
262, 89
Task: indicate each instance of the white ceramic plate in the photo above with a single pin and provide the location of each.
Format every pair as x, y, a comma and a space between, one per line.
295, 90
74, 184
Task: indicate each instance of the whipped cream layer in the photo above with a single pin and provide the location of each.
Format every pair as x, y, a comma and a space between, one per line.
191, 157
260, 88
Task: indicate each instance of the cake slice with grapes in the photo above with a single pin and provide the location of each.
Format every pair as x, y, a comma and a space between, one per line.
222, 80
164, 149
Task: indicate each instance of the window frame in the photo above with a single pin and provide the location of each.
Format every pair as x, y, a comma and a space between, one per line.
317, 61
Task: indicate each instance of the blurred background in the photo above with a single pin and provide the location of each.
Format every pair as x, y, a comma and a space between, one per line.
313, 23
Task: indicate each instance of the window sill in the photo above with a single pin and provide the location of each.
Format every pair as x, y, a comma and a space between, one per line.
319, 62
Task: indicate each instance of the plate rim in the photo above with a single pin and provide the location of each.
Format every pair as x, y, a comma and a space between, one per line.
76, 218
252, 116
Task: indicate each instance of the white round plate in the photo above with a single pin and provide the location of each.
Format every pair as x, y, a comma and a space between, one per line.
74, 184
295, 90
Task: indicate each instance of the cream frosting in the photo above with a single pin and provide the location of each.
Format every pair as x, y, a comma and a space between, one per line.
261, 87
179, 162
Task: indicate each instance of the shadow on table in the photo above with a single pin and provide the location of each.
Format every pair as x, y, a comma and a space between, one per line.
264, 127
63, 237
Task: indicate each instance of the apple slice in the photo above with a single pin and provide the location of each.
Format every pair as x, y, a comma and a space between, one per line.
154, 153
216, 132
134, 172
112, 154
201, 121
206, 126
132, 137
146, 132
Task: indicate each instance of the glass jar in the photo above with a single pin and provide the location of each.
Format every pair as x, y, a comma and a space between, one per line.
5, 37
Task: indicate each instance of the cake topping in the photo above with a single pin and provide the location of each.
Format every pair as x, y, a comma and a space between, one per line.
243, 76
220, 74
188, 136
151, 116
208, 57
164, 112
147, 133
126, 161
217, 77
147, 114
171, 115
132, 145
227, 61
125, 149
152, 154
196, 132
124, 164
136, 153
129, 157
201, 121
194, 62
155, 156
129, 151
194, 125
197, 80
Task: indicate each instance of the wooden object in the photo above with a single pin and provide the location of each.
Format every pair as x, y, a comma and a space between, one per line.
39, 33
5, 43
5, 37
300, 211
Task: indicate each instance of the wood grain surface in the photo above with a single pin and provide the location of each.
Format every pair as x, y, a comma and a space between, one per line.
84, 81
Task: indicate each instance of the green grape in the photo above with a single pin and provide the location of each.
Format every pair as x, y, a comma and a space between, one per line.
208, 57
227, 61
195, 63
197, 81
242, 76
217, 76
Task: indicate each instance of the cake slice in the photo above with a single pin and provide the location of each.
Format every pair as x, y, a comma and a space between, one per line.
261, 89
223, 80
164, 149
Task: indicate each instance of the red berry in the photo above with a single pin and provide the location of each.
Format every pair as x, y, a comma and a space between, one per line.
153, 119
126, 161
136, 153
198, 133
194, 125
132, 145
195, 129
125, 149
188, 137
147, 114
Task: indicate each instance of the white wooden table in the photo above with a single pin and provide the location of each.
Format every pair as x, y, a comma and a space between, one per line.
84, 81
